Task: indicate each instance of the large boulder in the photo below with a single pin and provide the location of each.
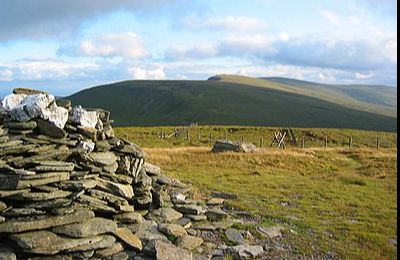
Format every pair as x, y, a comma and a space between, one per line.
240, 147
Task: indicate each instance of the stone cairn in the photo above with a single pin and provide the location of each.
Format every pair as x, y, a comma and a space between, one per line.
70, 189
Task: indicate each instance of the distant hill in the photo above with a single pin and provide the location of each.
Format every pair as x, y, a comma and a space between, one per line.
235, 100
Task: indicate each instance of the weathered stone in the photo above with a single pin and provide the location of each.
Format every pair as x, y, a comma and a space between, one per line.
120, 178
87, 145
96, 204
22, 212
224, 195
184, 222
7, 253
9, 102
164, 215
49, 204
65, 103
130, 149
189, 209
123, 190
129, 238
107, 252
28, 91
215, 202
167, 251
172, 230
110, 198
48, 243
88, 132
189, 242
3, 206
216, 214
129, 218
225, 145
27, 125
90, 227
147, 231
9, 169
151, 169
234, 236
245, 251
50, 129
22, 182
196, 217
15, 226
77, 185
83, 117
104, 158
102, 146
111, 168
271, 232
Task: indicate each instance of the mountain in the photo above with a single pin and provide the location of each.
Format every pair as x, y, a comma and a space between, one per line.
236, 100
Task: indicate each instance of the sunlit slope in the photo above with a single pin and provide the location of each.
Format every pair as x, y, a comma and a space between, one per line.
151, 103
371, 98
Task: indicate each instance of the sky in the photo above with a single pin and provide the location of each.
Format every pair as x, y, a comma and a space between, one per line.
64, 46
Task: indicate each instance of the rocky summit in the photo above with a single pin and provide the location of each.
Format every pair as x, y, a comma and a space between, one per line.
70, 189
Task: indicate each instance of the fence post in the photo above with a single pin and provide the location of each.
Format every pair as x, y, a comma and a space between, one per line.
210, 137
226, 136
199, 137
188, 135
303, 142
350, 141
242, 138
261, 141
326, 141
377, 142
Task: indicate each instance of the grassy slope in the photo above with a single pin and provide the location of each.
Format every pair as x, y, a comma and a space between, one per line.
336, 200
224, 103
372, 98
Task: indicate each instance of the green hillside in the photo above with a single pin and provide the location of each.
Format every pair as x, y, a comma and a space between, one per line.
226, 102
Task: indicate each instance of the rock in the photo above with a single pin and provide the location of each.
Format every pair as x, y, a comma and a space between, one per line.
129, 218
22, 212
271, 232
65, 103
245, 251
105, 241
50, 129
104, 158
123, 190
129, 238
215, 202
15, 226
196, 217
234, 236
167, 251
7, 253
184, 222
88, 132
83, 117
172, 230
88, 145
216, 214
9, 102
165, 215
28, 91
189, 242
108, 252
38, 242
130, 149
189, 209
19, 182
224, 195
28, 125
147, 231
56, 115
3, 206
225, 145
90, 227
151, 169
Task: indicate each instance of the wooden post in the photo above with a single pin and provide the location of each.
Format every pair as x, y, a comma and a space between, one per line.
226, 136
303, 143
210, 137
199, 137
350, 141
326, 141
188, 135
242, 138
261, 141
377, 142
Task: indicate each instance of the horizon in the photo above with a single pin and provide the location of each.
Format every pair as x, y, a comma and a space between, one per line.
95, 43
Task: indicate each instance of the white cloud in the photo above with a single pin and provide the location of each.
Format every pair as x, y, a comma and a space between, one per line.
147, 72
126, 45
6, 74
199, 51
228, 22
339, 20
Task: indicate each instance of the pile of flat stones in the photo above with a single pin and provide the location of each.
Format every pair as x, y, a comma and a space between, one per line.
70, 189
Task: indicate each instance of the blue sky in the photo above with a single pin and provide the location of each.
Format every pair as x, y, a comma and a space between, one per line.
64, 46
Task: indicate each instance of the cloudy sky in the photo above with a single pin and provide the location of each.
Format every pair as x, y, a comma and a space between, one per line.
66, 45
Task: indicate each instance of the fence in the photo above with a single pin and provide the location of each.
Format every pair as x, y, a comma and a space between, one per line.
300, 138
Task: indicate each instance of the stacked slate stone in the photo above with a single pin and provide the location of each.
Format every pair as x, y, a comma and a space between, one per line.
70, 189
